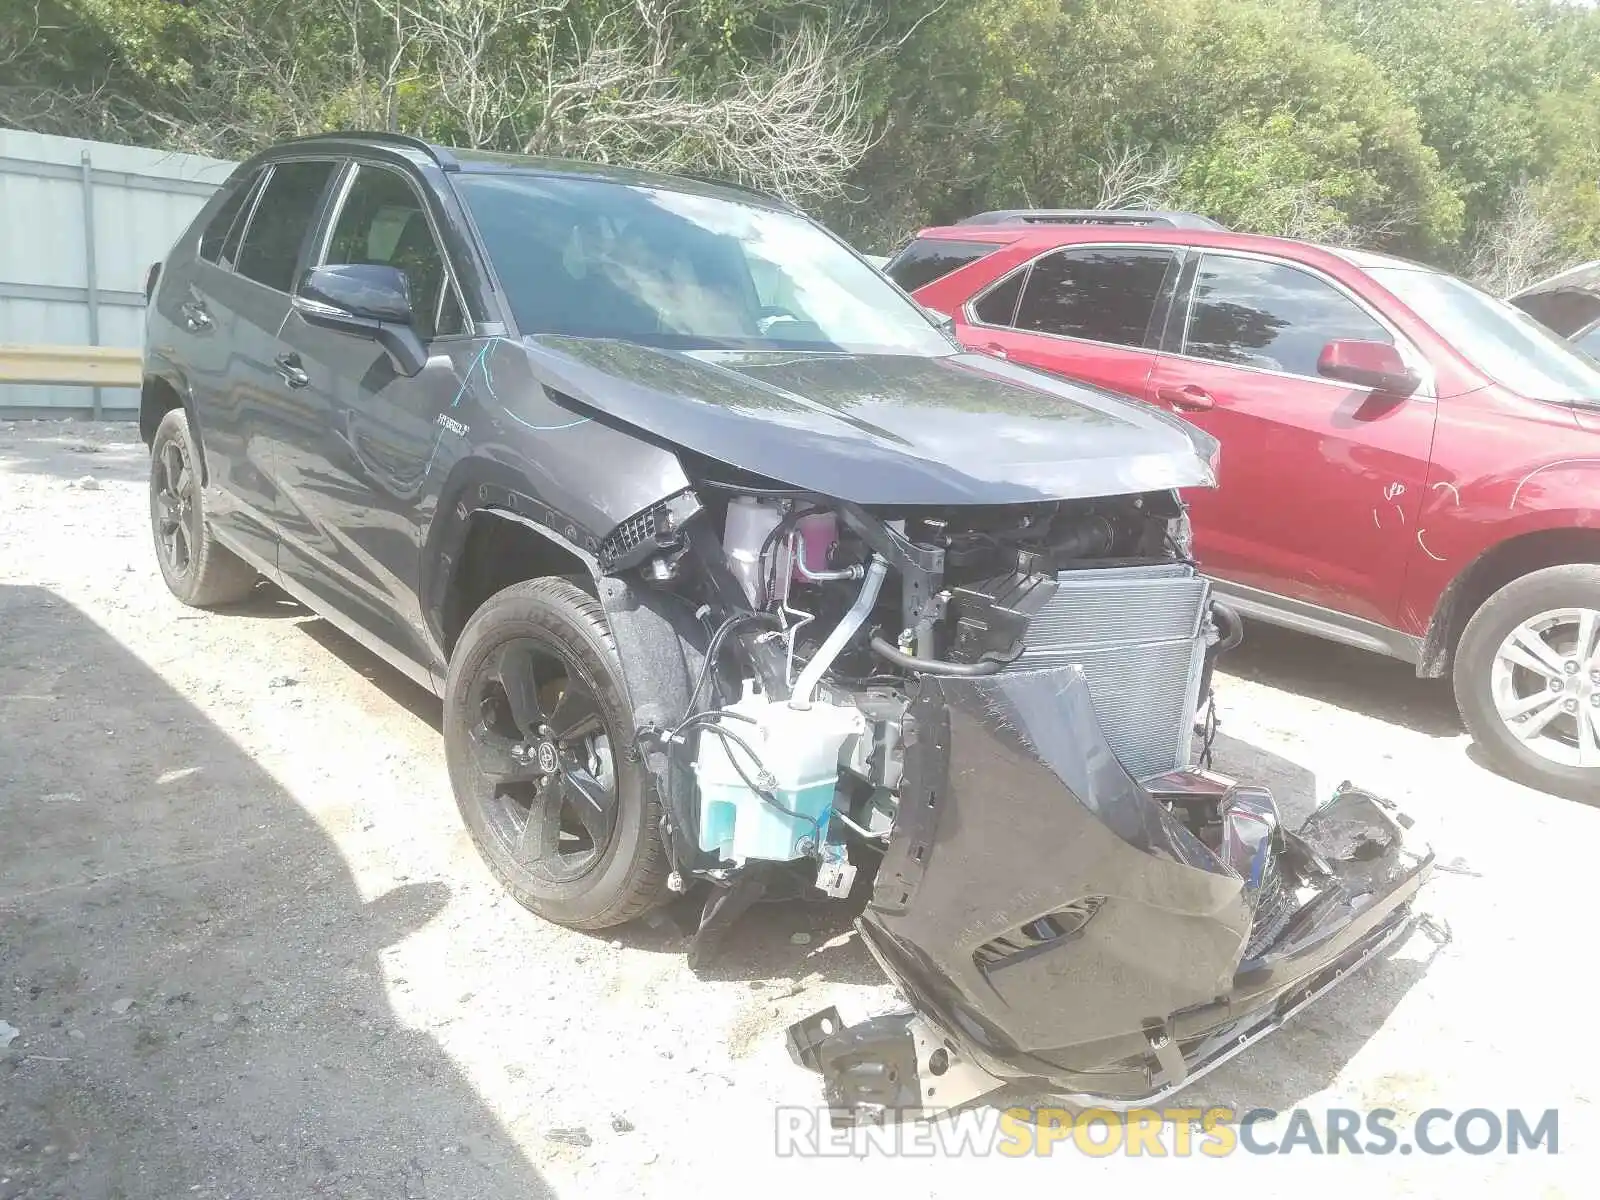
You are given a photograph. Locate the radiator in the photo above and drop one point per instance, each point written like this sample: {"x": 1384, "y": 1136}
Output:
{"x": 1136, "y": 632}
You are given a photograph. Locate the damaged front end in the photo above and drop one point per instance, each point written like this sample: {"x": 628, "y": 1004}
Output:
{"x": 987, "y": 716}
{"x": 1055, "y": 923}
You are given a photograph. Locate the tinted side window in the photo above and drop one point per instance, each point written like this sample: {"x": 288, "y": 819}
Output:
{"x": 1101, "y": 295}
{"x": 282, "y": 218}
{"x": 999, "y": 305}
{"x": 927, "y": 259}
{"x": 215, "y": 234}
{"x": 1565, "y": 311}
{"x": 382, "y": 222}
{"x": 1589, "y": 343}
{"x": 1261, "y": 314}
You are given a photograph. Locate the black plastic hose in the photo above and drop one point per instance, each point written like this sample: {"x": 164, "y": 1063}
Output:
{"x": 1229, "y": 622}
{"x": 933, "y": 666}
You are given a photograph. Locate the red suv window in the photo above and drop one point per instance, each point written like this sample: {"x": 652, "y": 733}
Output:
{"x": 1100, "y": 294}
{"x": 927, "y": 259}
{"x": 1252, "y": 313}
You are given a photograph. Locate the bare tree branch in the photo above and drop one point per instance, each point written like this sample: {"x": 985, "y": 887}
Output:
{"x": 791, "y": 124}
{"x": 1521, "y": 245}
{"x": 619, "y": 82}
{"x": 1137, "y": 177}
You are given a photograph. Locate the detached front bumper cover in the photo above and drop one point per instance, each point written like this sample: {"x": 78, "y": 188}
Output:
{"x": 1053, "y": 925}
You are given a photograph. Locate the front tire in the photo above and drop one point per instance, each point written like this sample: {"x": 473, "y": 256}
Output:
{"x": 1527, "y": 680}
{"x": 198, "y": 570}
{"x": 538, "y": 736}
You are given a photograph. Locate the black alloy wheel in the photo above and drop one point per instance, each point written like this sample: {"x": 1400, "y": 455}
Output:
{"x": 538, "y": 734}
{"x": 198, "y": 569}
{"x": 543, "y": 754}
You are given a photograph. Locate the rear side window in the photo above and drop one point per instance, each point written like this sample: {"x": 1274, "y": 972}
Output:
{"x": 283, "y": 216}
{"x": 1102, "y": 295}
{"x": 214, "y": 238}
{"x": 927, "y": 259}
{"x": 1269, "y": 315}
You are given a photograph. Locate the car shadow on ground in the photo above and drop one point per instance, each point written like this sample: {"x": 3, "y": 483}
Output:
{"x": 1376, "y": 686}
{"x": 195, "y": 977}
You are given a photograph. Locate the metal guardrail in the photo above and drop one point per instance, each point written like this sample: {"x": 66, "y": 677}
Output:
{"x": 91, "y": 366}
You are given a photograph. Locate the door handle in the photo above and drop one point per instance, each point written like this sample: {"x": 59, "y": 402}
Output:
{"x": 1190, "y": 396}
{"x": 996, "y": 349}
{"x": 195, "y": 316}
{"x": 293, "y": 374}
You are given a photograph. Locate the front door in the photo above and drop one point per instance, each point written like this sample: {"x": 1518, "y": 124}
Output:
{"x": 353, "y": 473}
{"x": 1320, "y": 481}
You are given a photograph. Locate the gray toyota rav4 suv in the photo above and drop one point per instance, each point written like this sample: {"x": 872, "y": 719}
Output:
{"x": 737, "y": 577}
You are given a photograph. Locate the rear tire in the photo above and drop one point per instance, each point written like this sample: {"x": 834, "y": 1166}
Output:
{"x": 199, "y": 571}
{"x": 1528, "y": 691}
{"x": 498, "y": 758}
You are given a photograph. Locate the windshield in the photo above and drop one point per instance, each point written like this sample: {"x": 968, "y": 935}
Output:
{"x": 606, "y": 260}
{"x": 1499, "y": 339}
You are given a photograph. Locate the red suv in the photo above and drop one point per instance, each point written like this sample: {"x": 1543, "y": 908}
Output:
{"x": 1408, "y": 464}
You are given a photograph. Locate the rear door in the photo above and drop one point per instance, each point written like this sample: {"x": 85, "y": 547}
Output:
{"x": 1320, "y": 481}
{"x": 255, "y": 296}
{"x": 1087, "y": 312}
{"x": 237, "y": 500}
{"x": 355, "y": 460}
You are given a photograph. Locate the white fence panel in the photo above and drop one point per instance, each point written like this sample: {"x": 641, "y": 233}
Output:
{"x": 80, "y": 224}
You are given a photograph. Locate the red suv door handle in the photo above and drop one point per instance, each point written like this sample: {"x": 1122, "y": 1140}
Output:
{"x": 994, "y": 348}
{"x": 1191, "y": 396}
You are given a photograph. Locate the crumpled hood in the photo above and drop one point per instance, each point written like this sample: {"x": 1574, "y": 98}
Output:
{"x": 884, "y": 429}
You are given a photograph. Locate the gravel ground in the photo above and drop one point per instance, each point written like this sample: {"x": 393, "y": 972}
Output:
{"x": 251, "y": 951}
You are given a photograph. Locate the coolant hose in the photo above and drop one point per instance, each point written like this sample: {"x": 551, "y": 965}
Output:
{"x": 1231, "y": 628}
{"x": 933, "y": 666}
{"x": 806, "y": 686}
{"x": 1229, "y": 623}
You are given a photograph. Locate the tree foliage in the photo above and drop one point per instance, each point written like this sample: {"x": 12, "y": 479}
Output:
{"x": 1466, "y": 132}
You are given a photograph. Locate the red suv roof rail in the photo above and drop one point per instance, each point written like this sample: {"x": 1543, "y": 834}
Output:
{"x": 1093, "y": 216}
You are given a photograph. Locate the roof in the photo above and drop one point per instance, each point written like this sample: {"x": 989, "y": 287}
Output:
{"x": 1093, "y": 216}
{"x": 1043, "y": 237}
{"x": 1585, "y": 277}
{"x": 472, "y": 162}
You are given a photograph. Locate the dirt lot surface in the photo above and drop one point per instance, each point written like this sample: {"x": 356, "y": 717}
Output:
{"x": 250, "y": 951}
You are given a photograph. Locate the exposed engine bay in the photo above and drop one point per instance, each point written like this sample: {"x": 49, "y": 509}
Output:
{"x": 828, "y": 613}
{"x": 993, "y": 724}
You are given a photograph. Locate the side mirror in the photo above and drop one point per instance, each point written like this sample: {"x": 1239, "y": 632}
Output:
{"x": 366, "y": 291}
{"x": 367, "y": 300}
{"x": 1375, "y": 365}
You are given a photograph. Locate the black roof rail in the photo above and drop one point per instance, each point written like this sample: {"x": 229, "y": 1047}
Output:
{"x": 1094, "y": 216}
{"x": 439, "y": 154}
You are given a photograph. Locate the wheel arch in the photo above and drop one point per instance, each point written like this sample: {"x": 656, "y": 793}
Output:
{"x": 660, "y": 641}
{"x": 1506, "y": 560}
{"x": 162, "y": 391}
{"x": 500, "y": 547}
